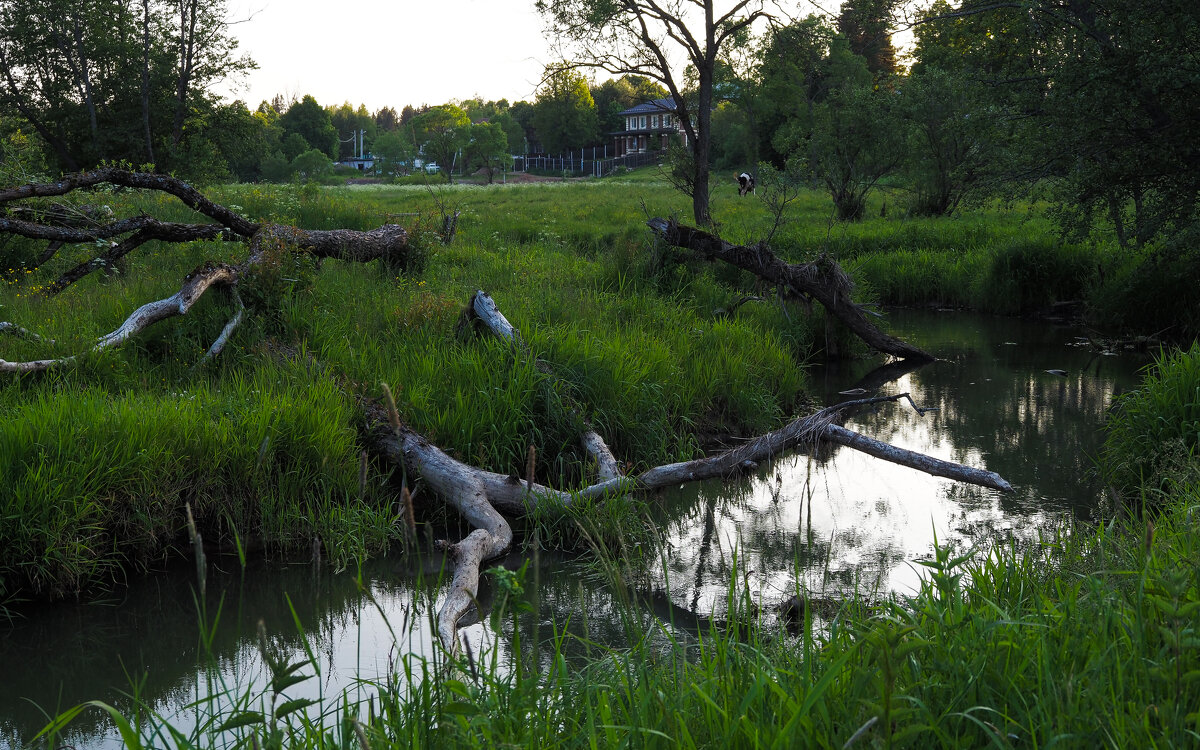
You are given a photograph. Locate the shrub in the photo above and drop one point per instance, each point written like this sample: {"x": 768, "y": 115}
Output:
{"x": 1153, "y": 433}
{"x": 1026, "y": 275}
{"x": 1152, "y": 293}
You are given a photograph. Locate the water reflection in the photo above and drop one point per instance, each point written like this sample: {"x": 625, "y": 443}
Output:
{"x": 829, "y": 523}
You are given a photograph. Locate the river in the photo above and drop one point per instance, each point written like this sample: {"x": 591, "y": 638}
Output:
{"x": 823, "y": 526}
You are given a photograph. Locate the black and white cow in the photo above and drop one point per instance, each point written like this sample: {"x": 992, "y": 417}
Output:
{"x": 745, "y": 183}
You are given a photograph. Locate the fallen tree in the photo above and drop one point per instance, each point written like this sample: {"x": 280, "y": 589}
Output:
{"x": 482, "y": 496}
{"x": 822, "y": 280}
{"x": 121, "y": 236}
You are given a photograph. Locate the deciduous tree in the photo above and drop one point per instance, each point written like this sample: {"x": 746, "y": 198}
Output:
{"x": 645, "y": 37}
{"x": 441, "y": 132}
{"x": 564, "y": 114}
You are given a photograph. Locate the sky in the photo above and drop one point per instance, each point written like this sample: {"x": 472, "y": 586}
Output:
{"x": 388, "y": 53}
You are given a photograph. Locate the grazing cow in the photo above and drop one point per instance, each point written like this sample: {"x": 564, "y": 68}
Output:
{"x": 745, "y": 183}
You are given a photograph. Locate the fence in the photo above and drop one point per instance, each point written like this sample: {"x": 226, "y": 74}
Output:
{"x": 579, "y": 165}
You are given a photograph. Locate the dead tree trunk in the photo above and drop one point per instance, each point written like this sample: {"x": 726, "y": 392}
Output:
{"x": 481, "y": 495}
{"x": 388, "y": 243}
{"x": 822, "y": 280}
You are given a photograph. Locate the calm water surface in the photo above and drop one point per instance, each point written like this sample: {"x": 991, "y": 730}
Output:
{"x": 830, "y": 523}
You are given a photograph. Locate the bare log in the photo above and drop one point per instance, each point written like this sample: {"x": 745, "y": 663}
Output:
{"x": 194, "y": 286}
{"x": 479, "y": 494}
{"x": 823, "y": 280}
{"x": 919, "y": 461}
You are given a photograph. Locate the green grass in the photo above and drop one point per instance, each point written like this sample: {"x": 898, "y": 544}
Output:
{"x": 102, "y": 457}
{"x": 1087, "y": 639}
{"x": 1154, "y": 433}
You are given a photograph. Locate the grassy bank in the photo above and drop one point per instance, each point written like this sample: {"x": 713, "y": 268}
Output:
{"x": 1086, "y": 638}
{"x": 102, "y": 456}
{"x": 99, "y": 459}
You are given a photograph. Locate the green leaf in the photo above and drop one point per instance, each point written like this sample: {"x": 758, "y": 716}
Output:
{"x": 288, "y": 707}
{"x": 279, "y": 684}
{"x": 244, "y": 719}
{"x": 461, "y": 709}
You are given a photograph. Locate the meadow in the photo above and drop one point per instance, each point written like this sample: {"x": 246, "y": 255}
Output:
{"x": 1089, "y": 639}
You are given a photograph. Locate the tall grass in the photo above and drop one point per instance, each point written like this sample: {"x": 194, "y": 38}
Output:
{"x": 1153, "y": 435}
{"x": 1084, "y": 639}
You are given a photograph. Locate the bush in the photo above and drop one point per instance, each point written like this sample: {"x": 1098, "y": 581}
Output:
{"x": 1151, "y": 440}
{"x": 1028, "y": 275}
{"x": 1153, "y": 293}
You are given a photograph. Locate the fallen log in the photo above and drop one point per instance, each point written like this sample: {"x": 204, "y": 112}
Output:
{"x": 822, "y": 280}
{"x": 121, "y": 236}
{"x": 481, "y": 496}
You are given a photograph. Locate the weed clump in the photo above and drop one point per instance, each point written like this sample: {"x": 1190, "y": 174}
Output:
{"x": 1152, "y": 437}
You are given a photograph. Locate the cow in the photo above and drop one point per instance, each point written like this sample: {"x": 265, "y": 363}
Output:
{"x": 745, "y": 183}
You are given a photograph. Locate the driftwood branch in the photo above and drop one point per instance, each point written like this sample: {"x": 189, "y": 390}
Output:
{"x": 822, "y": 279}
{"x": 193, "y": 287}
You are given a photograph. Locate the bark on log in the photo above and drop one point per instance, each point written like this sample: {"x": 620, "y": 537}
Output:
{"x": 478, "y": 494}
{"x": 823, "y": 280}
{"x": 388, "y": 242}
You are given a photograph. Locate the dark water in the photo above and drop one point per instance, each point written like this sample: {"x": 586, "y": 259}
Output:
{"x": 831, "y": 523}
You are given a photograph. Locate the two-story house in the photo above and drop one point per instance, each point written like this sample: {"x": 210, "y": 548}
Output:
{"x": 648, "y": 127}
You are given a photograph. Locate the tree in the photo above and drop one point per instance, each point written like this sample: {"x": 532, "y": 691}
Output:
{"x": 487, "y": 148}
{"x": 867, "y": 26}
{"x": 309, "y": 120}
{"x": 954, "y": 138}
{"x": 1098, "y": 95}
{"x": 394, "y": 151}
{"x": 312, "y": 164}
{"x": 440, "y": 133}
{"x": 118, "y": 79}
{"x": 854, "y": 137}
{"x": 793, "y": 77}
{"x": 642, "y": 37}
{"x": 564, "y": 114}
{"x": 387, "y": 119}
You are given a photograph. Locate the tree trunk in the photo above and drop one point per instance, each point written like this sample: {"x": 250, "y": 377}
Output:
{"x": 146, "y": 79}
{"x": 822, "y": 280}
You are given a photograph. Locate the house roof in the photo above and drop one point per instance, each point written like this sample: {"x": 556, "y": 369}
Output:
{"x": 652, "y": 107}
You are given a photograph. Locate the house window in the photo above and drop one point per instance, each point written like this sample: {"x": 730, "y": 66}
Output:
{"x": 629, "y": 122}
{"x": 642, "y": 122}
{"x": 654, "y": 121}
{"x": 666, "y": 121}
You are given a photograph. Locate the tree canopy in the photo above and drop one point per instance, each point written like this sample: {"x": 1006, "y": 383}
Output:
{"x": 564, "y": 114}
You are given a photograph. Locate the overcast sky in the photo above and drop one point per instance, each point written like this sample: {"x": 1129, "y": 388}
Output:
{"x": 390, "y": 52}
{"x": 385, "y": 53}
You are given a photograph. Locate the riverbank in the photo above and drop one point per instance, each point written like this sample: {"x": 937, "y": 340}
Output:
{"x": 664, "y": 350}
{"x": 263, "y": 445}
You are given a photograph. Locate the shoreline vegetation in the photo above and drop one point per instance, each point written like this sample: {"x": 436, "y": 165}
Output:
{"x": 263, "y": 446}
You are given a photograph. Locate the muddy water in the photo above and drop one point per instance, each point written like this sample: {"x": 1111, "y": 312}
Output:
{"x": 825, "y": 524}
